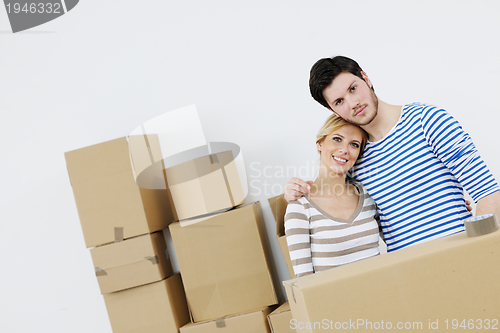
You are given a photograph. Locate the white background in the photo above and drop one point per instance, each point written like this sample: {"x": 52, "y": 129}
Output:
{"x": 104, "y": 68}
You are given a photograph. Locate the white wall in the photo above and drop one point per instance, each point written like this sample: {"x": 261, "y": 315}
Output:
{"x": 107, "y": 66}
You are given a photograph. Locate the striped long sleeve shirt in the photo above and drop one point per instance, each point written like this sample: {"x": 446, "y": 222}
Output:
{"x": 416, "y": 175}
{"x": 318, "y": 241}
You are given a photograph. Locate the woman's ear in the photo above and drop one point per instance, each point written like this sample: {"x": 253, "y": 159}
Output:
{"x": 319, "y": 145}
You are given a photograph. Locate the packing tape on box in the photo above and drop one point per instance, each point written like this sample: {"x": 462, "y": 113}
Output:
{"x": 220, "y": 323}
{"x": 118, "y": 234}
{"x": 154, "y": 259}
{"x": 481, "y": 225}
{"x": 100, "y": 272}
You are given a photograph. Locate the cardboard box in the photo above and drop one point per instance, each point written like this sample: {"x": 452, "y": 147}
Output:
{"x": 158, "y": 307}
{"x": 278, "y": 206}
{"x": 280, "y": 319}
{"x": 254, "y": 322}
{"x": 225, "y": 263}
{"x": 133, "y": 262}
{"x": 204, "y": 185}
{"x": 110, "y": 204}
{"x": 422, "y": 287}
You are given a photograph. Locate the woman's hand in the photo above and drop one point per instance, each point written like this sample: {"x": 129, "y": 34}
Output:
{"x": 296, "y": 188}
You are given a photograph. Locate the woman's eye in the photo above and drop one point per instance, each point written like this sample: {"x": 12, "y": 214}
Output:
{"x": 355, "y": 145}
{"x": 338, "y": 102}
{"x": 336, "y": 138}
{"x": 353, "y": 88}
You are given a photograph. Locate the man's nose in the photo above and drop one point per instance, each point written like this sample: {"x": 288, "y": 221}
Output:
{"x": 353, "y": 102}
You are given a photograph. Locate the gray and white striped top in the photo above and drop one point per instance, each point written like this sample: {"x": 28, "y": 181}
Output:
{"x": 318, "y": 241}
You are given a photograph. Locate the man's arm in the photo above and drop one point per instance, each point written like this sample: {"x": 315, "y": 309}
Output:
{"x": 454, "y": 147}
{"x": 489, "y": 204}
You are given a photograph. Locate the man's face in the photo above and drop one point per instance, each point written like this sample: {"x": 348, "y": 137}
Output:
{"x": 352, "y": 98}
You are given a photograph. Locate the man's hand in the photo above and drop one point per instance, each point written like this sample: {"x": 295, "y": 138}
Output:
{"x": 297, "y": 188}
{"x": 468, "y": 204}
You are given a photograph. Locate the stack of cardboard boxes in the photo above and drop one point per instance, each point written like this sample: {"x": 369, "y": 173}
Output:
{"x": 223, "y": 256}
{"x": 122, "y": 225}
{"x": 229, "y": 282}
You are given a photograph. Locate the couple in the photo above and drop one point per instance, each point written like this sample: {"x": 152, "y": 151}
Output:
{"x": 415, "y": 164}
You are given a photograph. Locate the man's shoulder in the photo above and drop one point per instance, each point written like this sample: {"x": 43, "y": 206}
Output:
{"x": 423, "y": 112}
{"x": 417, "y": 107}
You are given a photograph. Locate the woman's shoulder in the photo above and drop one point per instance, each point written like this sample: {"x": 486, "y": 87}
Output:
{"x": 302, "y": 202}
{"x": 357, "y": 184}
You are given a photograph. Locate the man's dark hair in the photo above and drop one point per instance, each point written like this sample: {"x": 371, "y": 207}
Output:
{"x": 325, "y": 70}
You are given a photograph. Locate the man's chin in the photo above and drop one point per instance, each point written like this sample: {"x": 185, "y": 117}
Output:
{"x": 362, "y": 122}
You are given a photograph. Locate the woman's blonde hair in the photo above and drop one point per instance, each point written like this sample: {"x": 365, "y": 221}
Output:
{"x": 332, "y": 124}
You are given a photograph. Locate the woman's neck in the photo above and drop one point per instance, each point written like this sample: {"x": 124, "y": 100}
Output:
{"x": 328, "y": 183}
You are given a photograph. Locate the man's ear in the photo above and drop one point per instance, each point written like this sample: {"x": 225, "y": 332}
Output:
{"x": 367, "y": 80}
{"x": 335, "y": 113}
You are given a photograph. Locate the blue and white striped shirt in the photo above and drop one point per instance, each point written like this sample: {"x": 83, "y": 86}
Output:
{"x": 416, "y": 173}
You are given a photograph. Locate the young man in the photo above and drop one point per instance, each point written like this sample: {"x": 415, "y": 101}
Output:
{"x": 416, "y": 163}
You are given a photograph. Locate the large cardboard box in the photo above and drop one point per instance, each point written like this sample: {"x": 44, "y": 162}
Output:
{"x": 225, "y": 263}
{"x": 133, "y": 262}
{"x": 204, "y": 185}
{"x": 278, "y": 206}
{"x": 110, "y": 205}
{"x": 254, "y": 322}
{"x": 430, "y": 287}
{"x": 280, "y": 319}
{"x": 158, "y": 307}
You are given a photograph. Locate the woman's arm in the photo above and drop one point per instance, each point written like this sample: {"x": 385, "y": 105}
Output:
{"x": 298, "y": 239}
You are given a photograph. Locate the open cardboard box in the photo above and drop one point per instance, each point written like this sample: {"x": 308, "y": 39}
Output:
{"x": 424, "y": 287}
{"x": 278, "y": 206}
{"x": 280, "y": 319}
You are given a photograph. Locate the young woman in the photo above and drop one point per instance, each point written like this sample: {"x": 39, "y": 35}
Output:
{"x": 337, "y": 222}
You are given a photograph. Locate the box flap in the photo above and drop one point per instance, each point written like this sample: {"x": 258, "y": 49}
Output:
{"x": 128, "y": 252}
{"x": 280, "y": 319}
{"x": 278, "y": 206}
{"x": 242, "y": 323}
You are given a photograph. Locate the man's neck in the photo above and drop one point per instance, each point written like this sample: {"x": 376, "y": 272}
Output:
{"x": 387, "y": 116}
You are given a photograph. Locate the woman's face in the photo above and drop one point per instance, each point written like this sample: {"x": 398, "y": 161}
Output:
{"x": 340, "y": 150}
